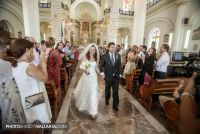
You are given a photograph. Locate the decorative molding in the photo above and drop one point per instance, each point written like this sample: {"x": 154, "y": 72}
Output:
{"x": 166, "y": 20}
{"x": 181, "y": 2}
{"x": 152, "y": 3}
{"x": 14, "y": 13}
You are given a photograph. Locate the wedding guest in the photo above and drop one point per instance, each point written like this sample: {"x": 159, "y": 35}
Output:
{"x": 189, "y": 120}
{"x": 148, "y": 65}
{"x": 54, "y": 62}
{"x": 162, "y": 62}
{"x": 10, "y": 103}
{"x": 122, "y": 53}
{"x": 176, "y": 95}
{"x": 64, "y": 59}
{"x": 130, "y": 65}
{"x": 75, "y": 52}
{"x": 30, "y": 80}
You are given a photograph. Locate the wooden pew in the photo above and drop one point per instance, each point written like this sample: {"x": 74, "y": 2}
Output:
{"x": 53, "y": 95}
{"x": 172, "y": 109}
{"x": 64, "y": 80}
{"x": 166, "y": 86}
{"x": 131, "y": 80}
{"x": 69, "y": 71}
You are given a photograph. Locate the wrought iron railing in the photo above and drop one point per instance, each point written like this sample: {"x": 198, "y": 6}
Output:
{"x": 152, "y": 3}
{"x": 128, "y": 13}
{"x": 44, "y": 5}
{"x": 107, "y": 10}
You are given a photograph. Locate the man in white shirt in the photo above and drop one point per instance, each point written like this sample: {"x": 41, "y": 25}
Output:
{"x": 162, "y": 62}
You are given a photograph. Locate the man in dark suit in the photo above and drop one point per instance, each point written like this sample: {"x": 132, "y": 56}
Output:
{"x": 110, "y": 70}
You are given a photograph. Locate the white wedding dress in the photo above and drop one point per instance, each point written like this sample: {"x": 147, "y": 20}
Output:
{"x": 86, "y": 93}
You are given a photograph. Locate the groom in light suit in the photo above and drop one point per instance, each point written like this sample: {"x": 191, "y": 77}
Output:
{"x": 110, "y": 70}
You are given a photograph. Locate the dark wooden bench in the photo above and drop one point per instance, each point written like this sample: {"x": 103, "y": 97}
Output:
{"x": 64, "y": 80}
{"x": 53, "y": 95}
{"x": 166, "y": 86}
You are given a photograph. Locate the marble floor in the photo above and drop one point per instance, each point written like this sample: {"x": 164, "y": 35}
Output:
{"x": 131, "y": 118}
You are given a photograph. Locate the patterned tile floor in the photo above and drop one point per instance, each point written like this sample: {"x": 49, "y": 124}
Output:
{"x": 131, "y": 118}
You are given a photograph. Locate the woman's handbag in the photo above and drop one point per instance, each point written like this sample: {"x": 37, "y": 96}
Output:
{"x": 147, "y": 79}
{"x": 35, "y": 99}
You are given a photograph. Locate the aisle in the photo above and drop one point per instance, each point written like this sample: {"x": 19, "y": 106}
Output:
{"x": 131, "y": 118}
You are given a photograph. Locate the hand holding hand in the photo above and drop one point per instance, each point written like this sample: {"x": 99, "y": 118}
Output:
{"x": 102, "y": 75}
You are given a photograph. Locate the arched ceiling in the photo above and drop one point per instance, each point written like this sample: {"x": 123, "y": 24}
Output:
{"x": 83, "y": 8}
{"x": 79, "y": 6}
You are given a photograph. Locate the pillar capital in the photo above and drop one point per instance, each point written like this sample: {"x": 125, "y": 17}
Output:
{"x": 181, "y": 2}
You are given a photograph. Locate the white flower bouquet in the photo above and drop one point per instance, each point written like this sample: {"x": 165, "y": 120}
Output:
{"x": 84, "y": 66}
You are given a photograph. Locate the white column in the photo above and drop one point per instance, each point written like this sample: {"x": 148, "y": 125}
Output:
{"x": 56, "y": 20}
{"x": 139, "y": 22}
{"x": 31, "y": 18}
{"x": 109, "y": 3}
{"x": 112, "y": 28}
{"x": 179, "y": 27}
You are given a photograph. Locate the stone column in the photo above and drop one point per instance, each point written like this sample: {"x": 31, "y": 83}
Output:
{"x": 139, "y": 22}
{"x": 56, "y": 20}
{"x": 112, "y": 27}
{"x": 31, "y": 18}
{"x": 179, "y": 27}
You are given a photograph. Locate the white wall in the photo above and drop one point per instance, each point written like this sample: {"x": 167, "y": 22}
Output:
{"x": 164, "y": 18}
{"x": 193, "y": 10}
{"x": 12, "y": 13}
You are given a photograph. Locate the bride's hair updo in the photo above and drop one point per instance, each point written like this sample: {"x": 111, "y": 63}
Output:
{"x": 88, "y": 54}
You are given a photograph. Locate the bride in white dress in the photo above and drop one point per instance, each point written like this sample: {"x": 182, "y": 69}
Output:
{"x": 86, "y": 93}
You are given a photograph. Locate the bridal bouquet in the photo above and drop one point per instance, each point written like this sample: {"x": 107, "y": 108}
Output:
{"x": 85, "y": 65}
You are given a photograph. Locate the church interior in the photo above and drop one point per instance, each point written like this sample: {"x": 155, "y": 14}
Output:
{"x": 64, "y": 28}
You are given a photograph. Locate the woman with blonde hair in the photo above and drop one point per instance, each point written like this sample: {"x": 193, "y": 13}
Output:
{"x": 130, "y": 66}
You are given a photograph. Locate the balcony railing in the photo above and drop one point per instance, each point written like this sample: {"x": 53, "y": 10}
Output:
{"x": 152, "y": 3}
{"x": 44, "y": 5}
{"x": 128, "y": 13}
{"x": 107, "y": 10}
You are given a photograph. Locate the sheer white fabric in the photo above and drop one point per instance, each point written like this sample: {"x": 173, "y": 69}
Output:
{"x": 86, "y": 93}
{"x": 28, "y": 86}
